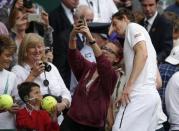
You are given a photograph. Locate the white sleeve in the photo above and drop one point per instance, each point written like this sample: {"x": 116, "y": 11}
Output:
{"x": 64, "y": 92}
{"x": 112, "y": 6}
{"x": 134, "y": 34}
{"x": 17, "y": 70}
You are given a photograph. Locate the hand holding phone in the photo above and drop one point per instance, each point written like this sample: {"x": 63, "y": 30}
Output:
{"x": 81, "y": 21}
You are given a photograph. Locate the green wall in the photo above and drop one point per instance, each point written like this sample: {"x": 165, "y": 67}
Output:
{"x": 48, "y": 5}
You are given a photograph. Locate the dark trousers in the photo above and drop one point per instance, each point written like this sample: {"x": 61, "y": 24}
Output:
{"x": 161, "y": 129}
{"x": 69, "y": 125}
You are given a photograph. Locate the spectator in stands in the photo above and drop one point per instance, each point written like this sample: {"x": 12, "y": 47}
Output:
{"x": 83, "y": 12}
{"x": 160, "y": 30}
{"x": 62, "y": 20}
{"x": 168, "y": 68}
{"x": 171, "y": 16}
{"x": 96, "y": 83}
{"x": 31, "y": 117}
{"x": 3, "y": 29}
{"x": 176, "y": 32}
{"x": 41, "y": 25}
{"x": 8, "y": 81}
{"x": 103, "y": 9}
{"x": 124, "y": 4}
{"x": 172, "y": 100}
{"x": 18, "y": 25}
{"x": 32, "y": 67}
{"x": 174, "y": 7}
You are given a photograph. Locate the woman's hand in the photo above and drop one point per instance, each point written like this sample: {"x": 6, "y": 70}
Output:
{"x": 36, "y": 70}
{"x": 45, "y": 19}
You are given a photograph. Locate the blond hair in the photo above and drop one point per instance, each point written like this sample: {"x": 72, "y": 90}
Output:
{"x": 28, "y": 41}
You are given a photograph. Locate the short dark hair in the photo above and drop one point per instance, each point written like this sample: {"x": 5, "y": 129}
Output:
{"x": 176, "y": 25}
{"x": 155, "y": 0}
{"x": 6, "y": 43}
{"x": 25, "y": 88}
{"x": 124, "y": 12}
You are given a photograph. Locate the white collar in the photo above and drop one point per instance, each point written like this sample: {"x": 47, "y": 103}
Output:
{"x": 151, "y": 20}
{"x": 68, "y": 13}
{"x": 67, "y": 10}
{"x": 26, "y": 66}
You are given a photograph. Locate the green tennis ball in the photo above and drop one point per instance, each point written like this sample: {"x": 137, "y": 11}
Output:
{"x": 48, "y": 102}
{"x": 6, "y": 101}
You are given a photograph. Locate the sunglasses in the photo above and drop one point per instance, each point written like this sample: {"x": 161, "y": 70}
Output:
{"x": 108, "y": 50}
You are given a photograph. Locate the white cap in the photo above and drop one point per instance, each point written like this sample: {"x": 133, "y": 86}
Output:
{"x": 173, "y": 58}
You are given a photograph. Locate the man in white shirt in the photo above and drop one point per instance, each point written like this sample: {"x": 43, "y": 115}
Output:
{"x": 141, "y": 105}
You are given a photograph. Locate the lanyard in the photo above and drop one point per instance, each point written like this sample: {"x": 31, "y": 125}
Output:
{"x": 6, "y": 86}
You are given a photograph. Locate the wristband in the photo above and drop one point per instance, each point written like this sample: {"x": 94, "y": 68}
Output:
{"x": 92, "y": 42}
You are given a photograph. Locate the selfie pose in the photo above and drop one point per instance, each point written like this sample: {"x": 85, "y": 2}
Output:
{"x": 36, "y": 17}
{"x": 96, "y": 82}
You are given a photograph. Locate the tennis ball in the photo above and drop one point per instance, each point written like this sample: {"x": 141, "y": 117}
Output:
{"x": 48, "y": 102}
{"x": 6, "y": 101}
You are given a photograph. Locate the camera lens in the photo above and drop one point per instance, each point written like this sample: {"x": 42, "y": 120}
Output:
{"x": 47, "y": 67}
{"x": 46, "y": 82}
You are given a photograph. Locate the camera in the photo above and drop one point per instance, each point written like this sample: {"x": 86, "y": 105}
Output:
{"x": 27, "y": 4}
{"x": 47, "y": 66}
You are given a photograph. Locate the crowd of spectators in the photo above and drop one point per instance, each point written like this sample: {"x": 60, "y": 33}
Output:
{"x": 112, "y": 65}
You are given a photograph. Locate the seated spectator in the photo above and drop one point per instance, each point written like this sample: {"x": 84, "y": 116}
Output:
{"x": 31, "y": 117}
{"x": 172, "y": 101}
{"x": 8, "y": 83}
{"x": 32, "y": 67}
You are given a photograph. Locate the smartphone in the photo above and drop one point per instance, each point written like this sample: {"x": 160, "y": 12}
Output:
{"x": 27, "y": 4}
{"x": 81, "y": 21}
{"x": 34, "y": 17}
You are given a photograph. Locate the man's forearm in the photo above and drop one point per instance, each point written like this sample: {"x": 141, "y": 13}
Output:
{"x": 139, "y": 63}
